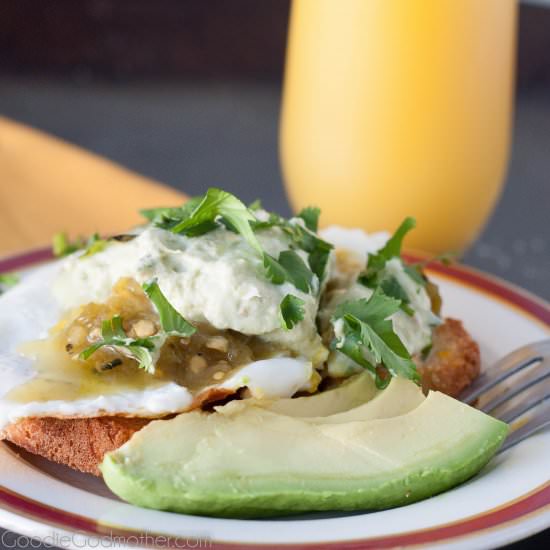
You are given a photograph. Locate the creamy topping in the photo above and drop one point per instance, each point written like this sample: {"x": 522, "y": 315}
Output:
{"x": 216, "y": 278}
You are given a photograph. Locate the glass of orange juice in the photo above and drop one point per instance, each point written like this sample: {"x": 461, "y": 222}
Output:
{"x": 399, "y": 107}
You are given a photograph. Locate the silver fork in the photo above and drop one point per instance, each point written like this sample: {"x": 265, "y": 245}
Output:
{"x": 524, "y": 401}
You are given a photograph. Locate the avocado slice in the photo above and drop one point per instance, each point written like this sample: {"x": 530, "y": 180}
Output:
{"x": 352, "y": 392}
{"x": 400, "y": 397}
{"x": 251, "y": 462}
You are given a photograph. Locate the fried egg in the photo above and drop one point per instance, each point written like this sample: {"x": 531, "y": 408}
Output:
{"x": 29, "y": 310}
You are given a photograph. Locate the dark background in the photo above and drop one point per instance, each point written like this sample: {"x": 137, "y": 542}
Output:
{"x": 188, "y": 92}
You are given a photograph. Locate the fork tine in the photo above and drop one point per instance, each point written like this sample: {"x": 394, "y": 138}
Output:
{"x": 539, "y": 420}
{"x": 536, "y": 378}
{"x": 518, "y": 406}
{"x": 506, "y": 367}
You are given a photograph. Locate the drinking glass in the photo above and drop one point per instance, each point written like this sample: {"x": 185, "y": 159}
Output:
{"x": 399, "y": 107}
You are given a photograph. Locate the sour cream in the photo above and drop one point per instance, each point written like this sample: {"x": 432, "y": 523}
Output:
{"x": 216, "y": 278}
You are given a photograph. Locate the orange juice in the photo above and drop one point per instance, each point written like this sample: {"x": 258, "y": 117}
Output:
{"x": 399, "y": 107}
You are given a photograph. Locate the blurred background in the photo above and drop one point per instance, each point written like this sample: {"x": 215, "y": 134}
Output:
{"x": 188, "y": 92}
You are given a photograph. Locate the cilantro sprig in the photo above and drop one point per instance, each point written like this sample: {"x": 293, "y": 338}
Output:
{"x": 367, "y": 337}
{"x": 372, "y": 275}
{"x": 375, "y": 275}
{"x": 168, "y": 217}
{"x": 292, "y": 311}
{"x": 220, "y": 204}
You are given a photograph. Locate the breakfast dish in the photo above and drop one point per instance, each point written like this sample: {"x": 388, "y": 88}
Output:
{"x": 508, "y": 500}
{"x": 222, "y": 360}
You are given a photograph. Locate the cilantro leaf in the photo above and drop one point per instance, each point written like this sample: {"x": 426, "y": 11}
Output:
{"x": 62, "y": 246}
{"x": 310, "y": 215}
{"x": 112, "y": 334}
{"x": 366, "y": 327}
{"x": 255, "y": 205}
{"x": 289, "y": 267}
{"x": 112, "y": 329}
{"x": 392, "y": 249}
{"x": 166, "y": 217}
{"x": 161, "y": 215}
{"x": 273, "y": 270}
{"x": 94, "y": 245}
{"x": 292, "y": 311}
{"x": 318, "y": 249}
{"x": 274, "y": 220}
{"x": 318, "y": 259}
{"x": 392, "y": 287}
{"x": 218, "y": 203}
{"x": 170, "y": 319}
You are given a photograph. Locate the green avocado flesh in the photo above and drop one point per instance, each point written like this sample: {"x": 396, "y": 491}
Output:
{"x": 351, "y": 393}
{"x": 246, "y": 461}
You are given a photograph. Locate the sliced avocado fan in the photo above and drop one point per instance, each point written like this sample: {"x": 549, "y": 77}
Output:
{"x": 246, "y": 461}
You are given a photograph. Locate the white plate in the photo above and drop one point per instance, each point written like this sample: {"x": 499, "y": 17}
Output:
{"x": 508, "y": 500}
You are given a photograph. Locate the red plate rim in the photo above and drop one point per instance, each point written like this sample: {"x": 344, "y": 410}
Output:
{"x": 531, "y": 504}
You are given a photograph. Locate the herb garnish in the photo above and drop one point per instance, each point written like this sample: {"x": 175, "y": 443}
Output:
{"x": 94, "y": 245}
{"x": 255, "y": 205}
{"x": 219, "y": 204}
{"x": 168, "y": 217}
{"x": 217, "y": 207}
{"x": 8, "y": 280}
{"x": 373, "y": 274}
{"x": 112, "y": 334}
{"x": 171, "y": 321}
{"x": 289, "y": 267}
{"x": 392, "y": 287}
{"x": 292, "y": 311}
{"x": 310, "y": 215}
{"x": 62, "y": 246}
{"x": 367, "y": 337}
